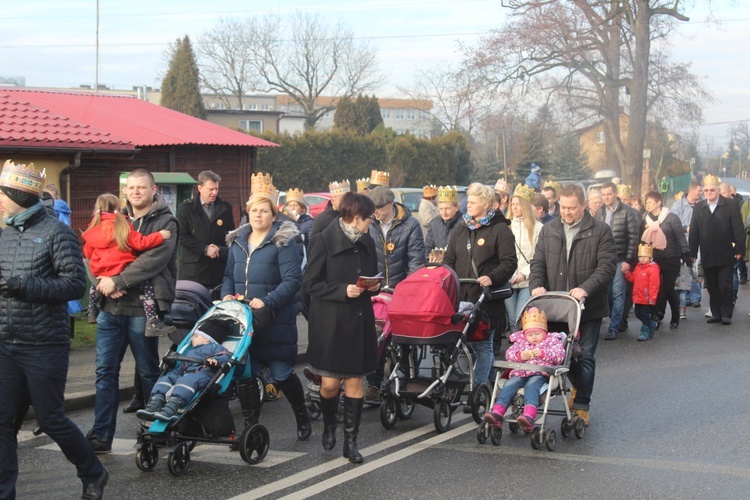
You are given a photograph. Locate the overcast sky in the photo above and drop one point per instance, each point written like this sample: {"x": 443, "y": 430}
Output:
{"x": 51, "y": 43}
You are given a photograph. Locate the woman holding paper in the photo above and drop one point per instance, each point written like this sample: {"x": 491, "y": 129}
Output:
{"x": 342, "y": 339}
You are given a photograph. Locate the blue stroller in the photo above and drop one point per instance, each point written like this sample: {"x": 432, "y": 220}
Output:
{"x": 203, "y": 419}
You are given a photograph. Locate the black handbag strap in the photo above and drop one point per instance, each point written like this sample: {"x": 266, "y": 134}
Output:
{"x": 471, "y": 256}
{"x": 521, "y": 252}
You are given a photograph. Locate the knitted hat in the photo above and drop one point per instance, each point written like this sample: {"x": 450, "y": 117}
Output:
{"x": 535, "y": 167}
{"x": 213, "y": 330}
{"x": 21, "y": 183}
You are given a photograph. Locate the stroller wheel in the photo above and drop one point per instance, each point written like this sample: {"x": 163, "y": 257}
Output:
{"x": 442, "y": 414}
{"x": 254, "y": 444}
{"x": 147, "y": 456}
{"x": 483, "y": 432}
{"x": 566, "y": 427}
{"x": 496, "y": 434}
{"x": 514, "y": 427}
{"x": 388, "y": 412}
{"x": 536, "y": 438}
{"x": 550, "y": 439}
{"x": 579, "y": 427}
{"x": 480, "y": 401}
{"x": 315, "y": 409}
{"x": 179, "y": 460}
{"x": 405, "y": 408}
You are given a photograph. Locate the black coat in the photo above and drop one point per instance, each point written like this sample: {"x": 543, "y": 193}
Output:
{"x": 323, "y": 219}
{"x": 720, "y": 235}
{"x": 196, "y": 233}
{"x": 625, "y": 230}
{"x": 677, "y": 246}
{"x": 591, "y": 264}
{"x": 494, "y": 250}
{"x": 439, "y": 233}
{"x": 341, "y": 330}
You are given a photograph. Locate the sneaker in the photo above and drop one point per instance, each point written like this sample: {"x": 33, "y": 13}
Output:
{"x": 611, "y": 335}
{"x": 100, "y": 447}
{"x": 708, "y": 314}
{"x": 683, "y": 312}
{"x": 526, "y": 422}
{"x": 583, "y": 415}
{"x": 645, "y": 334}
{"x": 623, "y": 326}
{"x": 156, "y": 328}
{"x": 493, "y": 419}
{"x": 272, "y": 393}
{"x": 372, "y": 394}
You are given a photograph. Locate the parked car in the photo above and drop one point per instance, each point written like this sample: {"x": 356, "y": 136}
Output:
{"x": 411, "y": 197}
{"x": 316, "y": 202}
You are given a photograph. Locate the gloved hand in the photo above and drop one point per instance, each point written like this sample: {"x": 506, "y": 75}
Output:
{"x": 687, "y": 260}
{"x": 10, "y": 288}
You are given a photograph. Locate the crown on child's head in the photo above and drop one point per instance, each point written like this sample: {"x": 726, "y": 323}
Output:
{"x": 429, "y": 191}
{"x": 296, "y": 195}
{"x": 339, "y": 188}
{"x": 645, "y": 250}
{"x": 261, "y": 186}
{"x": 711, "y": 180}
{"x": 362, "y": 184}
{"x": 534, "y": 318}
{"x": 380, "y": 178}
{"x": 447, "y": 194}
{"x": 624, "y": 191}
{"x": 437, "y": 254}
{"x": 524, "y": 191}
{"x": 23, "y": 177}
{"x": 556, "y": 185}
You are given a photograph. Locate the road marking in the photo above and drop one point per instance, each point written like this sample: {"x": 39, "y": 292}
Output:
{"x": 26, "y": 436}
{"x": 330, "y": 465}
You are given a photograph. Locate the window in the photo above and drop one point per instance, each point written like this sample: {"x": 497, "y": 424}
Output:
{"x": 252, "y": 126}
{"x": 422, "y": 114}
{"x": 266, "y": 107}
{"x": 400, "y": 131}
{"x": 251, "y": 107}
{"x": 385, "y": 113}
{"x": 600, "y": 137}
{"x": 399, "y": 114}
{"x": 218, "y": 105}
{"x": 422, "y": 133}
{"x": 410, "y": 115}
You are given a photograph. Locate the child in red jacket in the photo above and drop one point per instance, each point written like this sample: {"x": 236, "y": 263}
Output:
{"x": 646, "y": 281}
{"x": 110, "y": 243}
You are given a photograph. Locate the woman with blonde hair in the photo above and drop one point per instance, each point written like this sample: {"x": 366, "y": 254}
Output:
{"x": 110, "y": 244}
{"x": 525, "y": 227}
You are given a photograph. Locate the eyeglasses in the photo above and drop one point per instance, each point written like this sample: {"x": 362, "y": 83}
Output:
{"x": 379, "y": 207}
{"x": 707, "y": 190}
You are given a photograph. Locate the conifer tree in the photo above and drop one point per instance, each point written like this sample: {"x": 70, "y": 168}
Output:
{"x": 180, "y": 87}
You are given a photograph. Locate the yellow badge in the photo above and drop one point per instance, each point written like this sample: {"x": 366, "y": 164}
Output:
{"x": 390, "y": 246}
{"x": 480, "y": 241}
{"x": 219, "y": 222}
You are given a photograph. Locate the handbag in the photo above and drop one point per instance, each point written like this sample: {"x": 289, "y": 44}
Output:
{"x": 501, "y": 292}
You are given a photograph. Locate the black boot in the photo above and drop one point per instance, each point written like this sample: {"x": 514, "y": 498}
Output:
{"x": 352, "y": 416}
{"x": 248, "y": 393}
{"x": 328, "y": 407}
{"x": 292, "y": 389}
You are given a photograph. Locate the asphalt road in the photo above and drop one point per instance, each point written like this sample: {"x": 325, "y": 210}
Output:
{"x": 668, "y": 420}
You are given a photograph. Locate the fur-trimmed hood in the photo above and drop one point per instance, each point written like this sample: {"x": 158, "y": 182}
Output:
{"x": 281, "y": 233}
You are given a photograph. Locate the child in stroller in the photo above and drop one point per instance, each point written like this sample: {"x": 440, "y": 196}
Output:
{"x": 176, "y": 388}
{"x": 533, "y": 345}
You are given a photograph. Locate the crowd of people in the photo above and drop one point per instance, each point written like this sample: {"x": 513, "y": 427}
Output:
{"x": 601, "y": 246}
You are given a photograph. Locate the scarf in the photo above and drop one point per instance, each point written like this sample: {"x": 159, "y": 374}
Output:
{"x": 653, "y": 233}
{"x": 474, "y": 224}
{"x": 350, "y": 231}
{"x": 19, "y": 220}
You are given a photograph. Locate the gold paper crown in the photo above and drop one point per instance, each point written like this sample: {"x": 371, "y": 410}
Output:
{"x": 447, "y": 194}
{"x": 437, "y": 254}
{"x": 524, "y": 192}
{"x": 429, "y": 191}
{"x": 362, "y": 185}
{"x": 624, "y": 191}
{"x": 679, "y": 195}
{"x": 645, "y": 250}
{"x": 261, "y": 185}
{"x": 339, "y": 188}
{"x": 380, "y": 178}
{"x": 534, "y": 318}
{"x": 711, "y": 180}
{"x": 296, "y": 195}
{"x": 23, "y": 177}
{"x": 501, "y": 185}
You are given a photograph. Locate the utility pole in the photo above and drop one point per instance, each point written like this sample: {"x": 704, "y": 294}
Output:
{"x": 96, "y": 65}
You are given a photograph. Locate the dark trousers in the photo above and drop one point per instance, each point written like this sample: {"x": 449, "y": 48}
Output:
{"x": 628, "y": 303}
{"x": 645, "y": 313}
{"x": 583, "y": 368}
{"x": 719, "y": 284}
{"x": 668, "y": 293}
{"x": 44, "y": 371}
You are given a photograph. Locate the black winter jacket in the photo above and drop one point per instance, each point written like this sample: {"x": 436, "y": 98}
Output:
{"x": 402, "y": 250}
{"x": 625, "y": 230}
{"x": 47, "y": 258}
{"x": 591, "y": 265}
{"x": 196, "y": 233}
{"x": 439, "y": 233}
{"x": 720, "y": 235}
{"x": 324, "y": 218}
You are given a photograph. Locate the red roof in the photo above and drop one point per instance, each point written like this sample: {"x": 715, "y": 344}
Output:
{"x": 38, "y": 118}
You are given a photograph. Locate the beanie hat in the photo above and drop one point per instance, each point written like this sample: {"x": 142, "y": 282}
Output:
{"x": 21, "y": 183}
{"x": 535, "y": 167}
{"x": 213, "y": 330}
{"x": 20, "y": 198}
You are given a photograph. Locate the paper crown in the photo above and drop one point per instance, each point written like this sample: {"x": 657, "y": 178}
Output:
{"x": 556, "y": 185}
{"x": 437, "y": 254}
{"x": 709, "y": 180}
{"x": 624, "y": 191}
{"x": 447, "y": 194}
{"x": 429, "y": 191}
{"x": 23, "y": 177}
{"x": 534, "y": 318}
{"x": 524, "y": 192}
{"x": 261, "y": 186}
{"x": 679, "y": 195}
{"x": 501, "y": 185}
{"x": 362, "y": 185}
{"x": 339, "y": 188}
{"x": 296, "y": 195}
{"x": 645, "y": 250}
{"x": 380, "y": 178}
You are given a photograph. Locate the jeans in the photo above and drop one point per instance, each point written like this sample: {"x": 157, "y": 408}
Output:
{"x": 514, "y": 305}
{"x": 583, "y": 368}
{"x": 531, "y": 388}
{"x": 736, "y": 279}
{"x": 695, "y": 293}
{"x": 280, "y": 370}
{"x": 44, "y": 370}
{"x": 113, "y": 335}
{"x": 484, "y": 359}
{"x": 683, "y": 298}
{"x": 617, "y": 298}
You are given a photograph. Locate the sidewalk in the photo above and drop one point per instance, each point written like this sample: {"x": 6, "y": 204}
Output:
{"x": 80, "y": 391}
